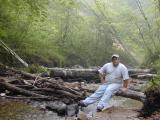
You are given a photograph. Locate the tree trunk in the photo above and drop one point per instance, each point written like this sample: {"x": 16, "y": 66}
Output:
{"x": 133, "y": 95}
{"x": 13, "y": 53}
{"x": 73, "y": 73}
{"x": 88, "y": 73}
{"x": 143, "y": 76}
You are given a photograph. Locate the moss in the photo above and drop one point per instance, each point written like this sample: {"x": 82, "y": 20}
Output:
{"x": 35, "y": 68}
{"x": 14, "y": 110}
{"x": 154, "y": 84}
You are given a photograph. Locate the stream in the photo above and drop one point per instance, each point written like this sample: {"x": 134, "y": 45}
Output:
{"x": 121, "y": 109}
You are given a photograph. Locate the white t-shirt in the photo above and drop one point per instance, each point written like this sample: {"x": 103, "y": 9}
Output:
{"x": 114, "y": 74}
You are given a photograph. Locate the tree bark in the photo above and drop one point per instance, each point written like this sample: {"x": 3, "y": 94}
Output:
{"x": 73, "y": 73}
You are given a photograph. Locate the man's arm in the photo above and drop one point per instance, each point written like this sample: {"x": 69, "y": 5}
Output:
{"x": 102, "y": 73}
{"x": 102, "y": 78}
{"x": 125, "y": 79}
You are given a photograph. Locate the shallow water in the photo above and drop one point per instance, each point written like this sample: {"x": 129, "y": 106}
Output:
{"x": 120, "y": 109}
{"x": 117, "y": 101}
{"x": 20, "y": 110}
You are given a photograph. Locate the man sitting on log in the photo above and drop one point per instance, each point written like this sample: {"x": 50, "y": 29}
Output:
{"x": 114, "y": 77}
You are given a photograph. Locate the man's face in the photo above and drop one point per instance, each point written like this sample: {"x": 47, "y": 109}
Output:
{"x": 115, "y": 61}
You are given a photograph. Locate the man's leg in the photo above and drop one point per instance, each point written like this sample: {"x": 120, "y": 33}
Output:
{"x": 95, "y": 96}
{"x": 110, "y": 90}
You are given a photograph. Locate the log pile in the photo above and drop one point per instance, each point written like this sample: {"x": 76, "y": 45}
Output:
{"x": 20, "y": 84}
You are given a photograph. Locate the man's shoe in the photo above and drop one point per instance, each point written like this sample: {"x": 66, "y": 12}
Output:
{"x": 81, "y": 103}
{"x": 99, "y": 109}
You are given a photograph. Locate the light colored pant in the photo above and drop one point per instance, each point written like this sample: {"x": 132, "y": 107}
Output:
{"x": 103, "y": 93}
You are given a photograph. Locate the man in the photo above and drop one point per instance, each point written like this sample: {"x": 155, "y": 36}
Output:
{"x": 114, "y": 77}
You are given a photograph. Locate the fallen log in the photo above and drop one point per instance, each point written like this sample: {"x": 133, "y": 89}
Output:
{"x": 65, "y": 88}
{"x": 133, "y": 95}
{"x": 73, "y": 73}
{"x": 25, "y": 86}
{"x": 134, "y": 71}
{"x": 140, "y": 96}
{"x": 61, "y": 92}
{"x": 30, "y": 98}
{"x": 25, "y": 74}
{"x": 87, "y": 73}
{"x": 144, "y": 76}
{"x": 137, "y": 81}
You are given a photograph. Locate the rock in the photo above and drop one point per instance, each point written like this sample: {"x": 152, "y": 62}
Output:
{"x": 82, "y": 116}
{"x": 57, "y": 106}
{"x": 3, "y": 94}
{"x": 44, "y": 74}
{"x": 72, "y": 110}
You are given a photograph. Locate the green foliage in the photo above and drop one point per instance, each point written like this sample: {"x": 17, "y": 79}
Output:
{"x": 35, "y": 68}
{"x": 63, "y": 33}
{"x": 153, "y": 60}
{"x": 153, "y": 84}
{"x": 156, "y": 66}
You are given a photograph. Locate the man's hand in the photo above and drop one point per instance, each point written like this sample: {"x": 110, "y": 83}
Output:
{"x": 125, "y": 86}
{"x": 103, "y": 81}
{"x": 124, "y": 89}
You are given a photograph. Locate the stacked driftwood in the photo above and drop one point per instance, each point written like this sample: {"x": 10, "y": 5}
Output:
{"x": 21, "y": 85}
